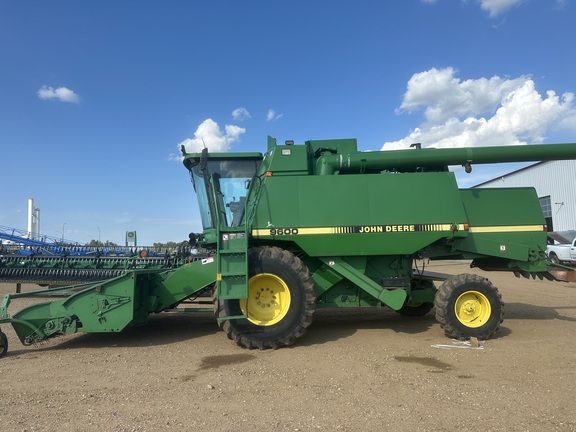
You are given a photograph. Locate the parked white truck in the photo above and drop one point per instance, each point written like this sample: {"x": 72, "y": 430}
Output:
{"x": 562, "y": 253}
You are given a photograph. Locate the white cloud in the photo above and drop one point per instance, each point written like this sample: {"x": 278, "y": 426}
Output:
{"x": 496, "y": 7}
{"x": 481, "y": 112}
{"x": 240, "y": 114}
{"x": 63, "y": 94}
{"x": 445, "y": 96}
{"x": 272, "y": 115}
{"x": 209, "y": 135}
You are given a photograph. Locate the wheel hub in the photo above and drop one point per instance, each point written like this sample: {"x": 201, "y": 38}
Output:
{"x": 472, "y": 309}
{"x": 268, "y": 300}
{"x": 265, "y": 298}
{"x": 469, "y": 308}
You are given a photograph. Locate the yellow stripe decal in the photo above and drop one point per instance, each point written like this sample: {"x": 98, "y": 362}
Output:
{"x": 381, "y": 229}
{"x": 507, "y": 228}
{"x": 360, "y": 229}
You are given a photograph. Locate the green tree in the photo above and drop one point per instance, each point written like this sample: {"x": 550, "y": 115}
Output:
{"x": 168, "y": 245}
{"x": 97, "y": 243}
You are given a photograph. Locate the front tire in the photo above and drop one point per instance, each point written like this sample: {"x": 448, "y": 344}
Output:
{"x": 468, "y": 306}
{"x": 280, "y": 305}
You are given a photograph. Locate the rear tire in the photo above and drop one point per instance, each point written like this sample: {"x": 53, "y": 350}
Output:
{"x": 416, "y": 309}
{"x": 280, "y": 305}
{"x": 468, "y": 306}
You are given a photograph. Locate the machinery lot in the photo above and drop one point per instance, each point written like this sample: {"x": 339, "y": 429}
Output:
{"x": 355, "y": 370}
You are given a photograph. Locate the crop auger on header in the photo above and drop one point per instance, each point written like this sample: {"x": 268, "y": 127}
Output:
{"x": 322, "y": 225}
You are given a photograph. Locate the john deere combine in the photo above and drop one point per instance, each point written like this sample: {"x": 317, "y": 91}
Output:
{"x": 322, "y": 225}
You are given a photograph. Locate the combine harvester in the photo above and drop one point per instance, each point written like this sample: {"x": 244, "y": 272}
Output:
{"x": 322, "y": 225}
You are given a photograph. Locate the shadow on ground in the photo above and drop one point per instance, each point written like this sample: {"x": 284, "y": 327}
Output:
{"x": 334, "y": 324}
{"x": 162, "y": 329}
{"x": 329, "y": 325}
{"x": 531, "y": 312}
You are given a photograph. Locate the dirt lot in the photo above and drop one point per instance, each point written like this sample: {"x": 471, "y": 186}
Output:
{"x": 355, "y": 370}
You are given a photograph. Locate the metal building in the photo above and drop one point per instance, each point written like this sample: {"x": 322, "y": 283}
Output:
{"x": 555, "y": 184}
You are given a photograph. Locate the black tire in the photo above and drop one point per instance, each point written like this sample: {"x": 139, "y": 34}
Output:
{"x": 554, "y": 258}
{"x": 278, "y": 268}
{"x": 3, "y": 344}
{"x": 415, "y": 309}
{"x": 418, "y": 309}
{"x": 468, "y": 306}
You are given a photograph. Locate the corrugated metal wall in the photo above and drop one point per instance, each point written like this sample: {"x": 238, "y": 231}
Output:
{"x": 556, "y": 179}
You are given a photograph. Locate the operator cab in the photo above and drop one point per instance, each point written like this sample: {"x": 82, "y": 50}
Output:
{"x": 221, "y": 182}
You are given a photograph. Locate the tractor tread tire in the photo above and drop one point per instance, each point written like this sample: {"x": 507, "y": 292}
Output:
{"x": 252, "y": 336}
{"x": 446, "y": 298}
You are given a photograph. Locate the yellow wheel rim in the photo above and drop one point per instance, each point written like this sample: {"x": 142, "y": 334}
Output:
{"x": 268, "y": 300}
{"x": 473, "y": 309}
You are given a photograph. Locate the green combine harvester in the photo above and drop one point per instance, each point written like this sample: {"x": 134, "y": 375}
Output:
{"x": 322, "y": 225}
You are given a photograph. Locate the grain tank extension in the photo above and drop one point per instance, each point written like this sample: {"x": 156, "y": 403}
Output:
{"x": 322, "y": 225}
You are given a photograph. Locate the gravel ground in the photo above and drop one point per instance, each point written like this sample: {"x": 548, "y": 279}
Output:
{"x": 355, "y": 370}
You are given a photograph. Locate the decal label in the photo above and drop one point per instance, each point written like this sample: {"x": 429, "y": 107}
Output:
{"x": 386, "y": 228}
{"x": 400, "y": 228}
{"x": 361, "y": 229}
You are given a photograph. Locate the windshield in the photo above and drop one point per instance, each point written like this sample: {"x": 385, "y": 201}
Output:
{"x": 229, "y": 179}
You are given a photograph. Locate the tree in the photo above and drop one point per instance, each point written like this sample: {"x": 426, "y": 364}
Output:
{"x": 98, "y": 243}
{"x": 168, "y": 245}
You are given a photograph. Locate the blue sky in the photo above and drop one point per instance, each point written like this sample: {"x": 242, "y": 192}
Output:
{"x": 97, "y": 96}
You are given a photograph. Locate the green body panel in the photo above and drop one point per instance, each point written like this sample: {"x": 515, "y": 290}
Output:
{"x": 394, "y": 298}
{"x": 384, "y": 214}
{"x": 109, "y": 307}
{"x": 293, "y": 160}
{"x": 502, "y": 207}
{"x": 505, "y": 223}
{"x": 175, "y": 286}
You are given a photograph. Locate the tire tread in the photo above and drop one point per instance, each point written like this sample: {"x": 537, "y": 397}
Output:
{"x": 235, "y": 333}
